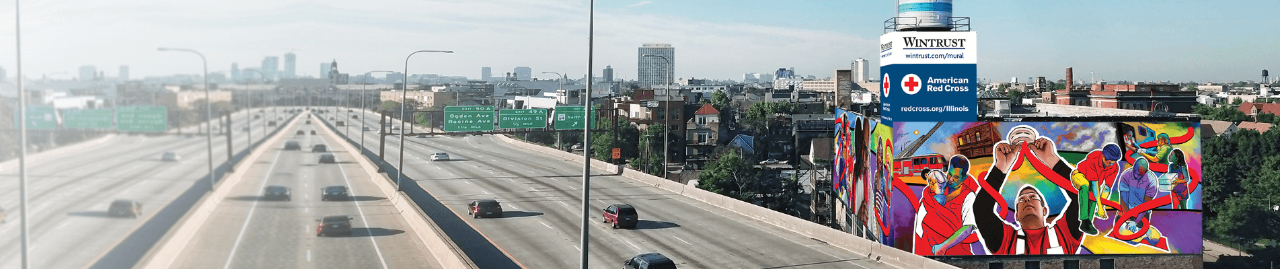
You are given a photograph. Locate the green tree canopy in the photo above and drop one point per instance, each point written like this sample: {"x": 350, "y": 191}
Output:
{"x": 730, "y": 174}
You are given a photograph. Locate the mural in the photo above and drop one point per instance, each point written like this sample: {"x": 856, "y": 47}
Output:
{"x": 1011, "y": 188}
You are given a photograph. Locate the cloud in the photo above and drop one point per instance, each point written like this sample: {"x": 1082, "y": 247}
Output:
{"x": 641, "y": 3}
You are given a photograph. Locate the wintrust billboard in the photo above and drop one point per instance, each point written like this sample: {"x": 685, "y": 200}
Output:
{"x": 929, "y": 76}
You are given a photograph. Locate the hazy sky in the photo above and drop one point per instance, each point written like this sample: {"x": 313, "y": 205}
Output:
{"x": 1131, "y": 40}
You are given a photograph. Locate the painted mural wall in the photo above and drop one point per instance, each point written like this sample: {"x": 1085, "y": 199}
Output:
{"x": 1011, "y": 188}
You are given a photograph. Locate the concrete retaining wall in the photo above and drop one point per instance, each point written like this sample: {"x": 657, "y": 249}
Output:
{"x": 859, "y": 246}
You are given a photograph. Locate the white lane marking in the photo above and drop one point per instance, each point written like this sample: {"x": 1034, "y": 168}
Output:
{"x": 363, "y": 219}
{"x": 512, "y": 206}
{"x": 682, "y": 240}
{"x": 485, "y": 192}
{"x": 545, "y": 224}
{"x": 469, "y": 182}
{"x": 633, "y": 245}
{"x": 575, "y": 246}
{"x": 250, "y": 215}
{"x": 598, "y": 200}
{"x": 308, "y": 255}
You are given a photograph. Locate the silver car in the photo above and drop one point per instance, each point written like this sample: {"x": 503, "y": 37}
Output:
{"x": 170, "y": 156}
{"x": 439, "y": 156}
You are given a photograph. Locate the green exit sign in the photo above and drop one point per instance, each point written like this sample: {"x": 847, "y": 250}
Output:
{"x": 87, "y": 118}
{"x": 571, "y": 118}
{"x": 522, "y": 118}
{"x": 468, "y": 118}
{"x": 142, "y": 118}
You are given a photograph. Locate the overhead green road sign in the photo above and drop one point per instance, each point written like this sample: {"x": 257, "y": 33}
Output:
{"x": 570, "y": 118}
{"x": 142, "y": 118}
{"x": 468, "y": 118}
{"x": 38, "y": 118}
{"x": 87, "y": 118}
{"x": 522, "y": 118}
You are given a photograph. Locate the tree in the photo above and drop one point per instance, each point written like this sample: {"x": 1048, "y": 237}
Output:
{"x": 1237, "y": 101}
{"x": 730, "y": 174}
{"x": 1016, "y": 96}
{"x": 760, "y": 114}
{"x": 602, "y": 142}
{"x": 650, "y": 151}
{"x": 1265, "y": 117}
{"x": 720, "y": 100}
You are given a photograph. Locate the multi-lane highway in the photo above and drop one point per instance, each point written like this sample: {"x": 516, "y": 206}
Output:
{"x": 70, "y": 188}
{"x": 542, "y": 198}
{"x": 247, "y": 231}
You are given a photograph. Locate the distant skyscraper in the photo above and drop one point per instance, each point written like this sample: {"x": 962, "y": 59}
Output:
{"x": 270, "y": 66}
{"x": 652, "y": 71}
{"x": 235, "y": 72}
{"x": 860, "y": 72}
{"x": 608, "y": 73}
{"x": 324, "y": 70}
{"x": 524, "y": 73}
{"x": 124, "y": 73}
{"x": 486, "y": 73}
{"x": 88, "y": 73}
{"x": 290, "y": 65}
{"x": 3, "y": 76}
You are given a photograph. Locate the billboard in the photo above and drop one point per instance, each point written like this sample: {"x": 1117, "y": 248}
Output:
{"x": 929, "y": 76}
{"x": 1013, "y": 188}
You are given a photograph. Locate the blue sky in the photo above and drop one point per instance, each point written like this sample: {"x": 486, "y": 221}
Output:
{"x": 1131, "y": 40}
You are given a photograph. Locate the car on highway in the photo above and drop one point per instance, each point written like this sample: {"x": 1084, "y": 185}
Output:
{"x": 327, "y": 158}
{"x": 308, "y": 121}
{"x": 333, "y": 225}
{"x": 439, "y": 156}
{"x": 170, "y": 156}
{"x": 355, "y": 117}
{"x": 257, "y": 117}
{"x": 246, "y": 128}
{"x": 301, "y": 132}
{"x": 319, "y": 148}
{"x": 621, "y": 216}
{"x": 395, "y": 128}
{"x": 340, "y": 123}
{"x": 422, "y": 135}
{"x": 649, "y": 261}
{"x": 277, "y": 193}
{"x": 330, "y": 118}
{"x": 334, "y": 193}
{"x": 484, "y": 208}
{"x": 271, "y": 123}
{"x": 313, "y": 131}
{"x": 125, "y": 208}
{"x": 292, "y": 145}
{"x": 366, "y": 129}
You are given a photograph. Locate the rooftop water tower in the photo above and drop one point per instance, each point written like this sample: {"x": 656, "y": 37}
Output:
{"x": 926, "y": 16}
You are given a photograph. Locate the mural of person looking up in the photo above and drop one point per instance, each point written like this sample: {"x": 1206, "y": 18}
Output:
{"x": 1035, "y": 236}
{"x": 1098, "y": 168}
{"x": 990, "y": 221}
{"x": 944, "y": 221}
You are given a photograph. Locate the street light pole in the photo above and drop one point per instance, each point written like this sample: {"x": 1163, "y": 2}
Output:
{"x": 249, "y": 113}
{"x": 666, "y": 119}
{"x": 560, "y": 90}
{"x": 22, "y": 135}
{"x": 404, "y": 102}
{"x": 364, "y": 124}
{"x": 208, "y": 110}
{"x": 586, "y": 138}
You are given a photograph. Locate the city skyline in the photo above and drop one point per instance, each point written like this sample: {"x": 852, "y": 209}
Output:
{"x": 717, "y": 39}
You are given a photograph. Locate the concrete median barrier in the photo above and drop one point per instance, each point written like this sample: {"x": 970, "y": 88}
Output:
{"x": 164, "y": 253}
{"x": 437, "y": 241}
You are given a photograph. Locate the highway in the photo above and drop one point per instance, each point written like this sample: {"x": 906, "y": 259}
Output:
{"x": 542, "y": 198}
{"x": 245, "y": 231}
{"x": 70, "y": 187}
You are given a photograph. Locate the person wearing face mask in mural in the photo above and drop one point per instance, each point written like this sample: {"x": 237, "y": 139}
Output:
{"x": 944, "y": 221}
{"x": 993, "y": 221}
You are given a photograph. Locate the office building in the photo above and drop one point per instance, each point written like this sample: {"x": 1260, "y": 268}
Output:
{"x": 88, "y": 73}
{"x": 270, "y": 66}
{"x": 608, "y": 73}
{"x": 324, "y": 70}
{"x": 524, "y": 73}
{"x": 654, "y": 70}
{"x": 124, "y": 73}
{"x": 235, "y": 72}
{"x": 3, "y": 76}
{"x": 860, "y": 71}
{"x": 290, "y": 66}
{"x": 486, "y": 73}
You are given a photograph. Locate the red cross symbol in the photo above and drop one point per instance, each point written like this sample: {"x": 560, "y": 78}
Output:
{"x": 911, "y": 83}
{"x": 886, "y": 84}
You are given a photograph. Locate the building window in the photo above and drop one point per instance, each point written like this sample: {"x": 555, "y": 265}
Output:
{"x": 1107, "y": 264}
{"x": 995, "y": 265}
{"x": 1071, "y": 264}
{"x": 1031, "y": 265}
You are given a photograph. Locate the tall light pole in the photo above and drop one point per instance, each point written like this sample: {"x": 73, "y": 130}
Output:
{"x": 404, "y": 102}
{"x": 22, "y": 133}
{"x": 586, "y": 138}
{"x": 558, "y": 91}
{"x": 208, "y": 110}
{"x": 363, "y": 123}
{"x": 666, "y": 119}
{"x": 249, "y": 115}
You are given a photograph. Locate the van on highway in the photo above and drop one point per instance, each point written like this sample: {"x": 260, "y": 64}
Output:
{"x": 649, "y": 261}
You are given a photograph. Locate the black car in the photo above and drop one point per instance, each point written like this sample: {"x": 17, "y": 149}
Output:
{"x": 319, "y": 148}
{"x": 355, "y": 117}
{"x": 313, "y": 131}
{"x": 292, "y": 145}
{"x": 308, "y": 121}
{"x": 301, "y": 132}
{"x": 649, "y": 261}
{"x": 333, "y": 225}
{"x": 271, "y": 123}
{"x": 484, "y": 208}
{"x": 125, "y": 208}
{"x": 340, "y": 123}
{"x": 277, "y": 193}
{"x": 334, "y": 193}
{"x": 327, "y": 158}
{"x": 621, "y": 215}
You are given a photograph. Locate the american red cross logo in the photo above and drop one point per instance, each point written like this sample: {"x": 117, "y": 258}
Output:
{"x": 885, "y": 87}
{"x": 911, "y": 83}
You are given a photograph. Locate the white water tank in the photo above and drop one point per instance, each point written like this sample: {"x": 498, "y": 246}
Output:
{"x": 927, "y": 15}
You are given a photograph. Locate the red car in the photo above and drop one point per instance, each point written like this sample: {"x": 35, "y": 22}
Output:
{"x": 621, "y": 215}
